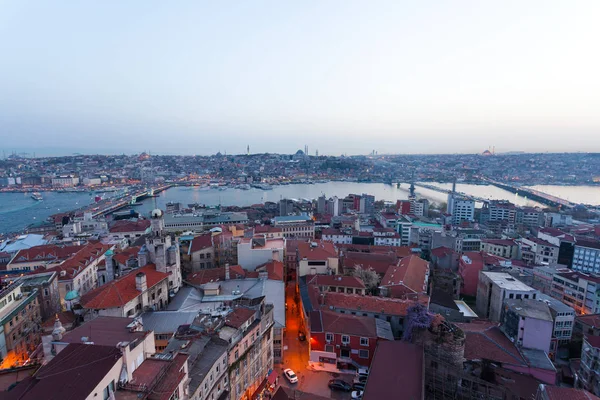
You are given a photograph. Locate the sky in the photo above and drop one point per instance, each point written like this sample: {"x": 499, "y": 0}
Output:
{"x": 341, "y": 76}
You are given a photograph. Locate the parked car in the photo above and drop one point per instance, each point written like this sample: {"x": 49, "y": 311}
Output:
{"x": 363, "y": 371}
{"x": 357, "y": 395}
{"x": 360, "y": 379}
{"x": 290, "y": 375}
{"x": 301, "y": 336}
{"x": 338, "y": 384}
{"x": 359, "y": 386}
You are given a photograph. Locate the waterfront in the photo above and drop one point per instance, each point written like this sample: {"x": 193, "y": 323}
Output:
{"x": 18, "y": 210}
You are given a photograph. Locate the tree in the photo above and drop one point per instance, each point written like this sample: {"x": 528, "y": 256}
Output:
{"x": 368, "y": 276}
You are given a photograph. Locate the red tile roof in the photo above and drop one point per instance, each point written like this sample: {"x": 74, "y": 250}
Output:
{"x": 347, "y": 324}
{"x": 125, "y": 255}
{"x": 388, "y": 377}
{"x": 125, "y": 226}
{"x": 200, "y": 243}
{"x": 337, "y": 280}
{"x": 590, "y": 320}
{"x": 80, "y": 260}
{"x": 411, "y": 272}
{"x": 119, "y": 292}
{"x": 267, "y": 229}
{"x": 274, "y": 270}
{"x": 322, "y": 251}
{"x": 215, "y": 274}
{"x": 593, "y": 340}
{"x": 239, "y": 316}
{"x": 485, "y": 340}
{"x": 399, "y": 251}
{"x": 47, "y": 252}
{"x": 171, "y": 379}
{"x": 73, "y": 374}
{"x": 375, "y": 261}
{"x": 163, "y": 375}
{"x": 499, "y": 242}
{"x": 563, "y": 393}
{"x": 442, "y": 252}
{"x": 375, "y": 304}
{"x": 105, "y": 331}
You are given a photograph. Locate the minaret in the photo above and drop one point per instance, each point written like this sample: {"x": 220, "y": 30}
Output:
{"x": 110, "y": 267}
{"x": 58, "y": 331}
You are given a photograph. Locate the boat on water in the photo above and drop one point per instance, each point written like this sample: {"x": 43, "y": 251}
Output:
{"x": 37, "y": 196}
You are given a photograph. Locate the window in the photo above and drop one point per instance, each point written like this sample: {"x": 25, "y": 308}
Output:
{"x": 364, "y": 341}
{"x": 363, "y": 353}
{"x": 329, "y": 337}
{"x": 329, "y": 348}
{"x": 345, "y": 339}
{"x": 511, "y": 296}
{"x": 108, "y": 390}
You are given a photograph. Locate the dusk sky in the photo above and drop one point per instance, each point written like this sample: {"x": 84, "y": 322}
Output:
{"x": 197, "y": 77}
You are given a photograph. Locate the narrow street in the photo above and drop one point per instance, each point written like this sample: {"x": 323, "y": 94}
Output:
{"x": 295, "y": 356}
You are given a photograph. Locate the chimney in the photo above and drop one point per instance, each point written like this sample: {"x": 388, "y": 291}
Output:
{"x": 275, "y": 255}
{"x": 140, "y": 282}
{"x": 227, "y": 276}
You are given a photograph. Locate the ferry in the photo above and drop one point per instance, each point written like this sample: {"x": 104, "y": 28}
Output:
{"x": 37, "y": 196}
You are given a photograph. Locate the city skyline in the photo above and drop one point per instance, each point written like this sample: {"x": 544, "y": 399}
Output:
{"x": 344, "y": 78}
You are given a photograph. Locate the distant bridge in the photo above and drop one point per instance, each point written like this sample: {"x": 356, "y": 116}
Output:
{"x": 446, "y": 191}
{"x": 535, "y": 195}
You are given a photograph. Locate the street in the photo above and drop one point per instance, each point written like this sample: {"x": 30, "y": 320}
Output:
{"x": 296, "y": 357}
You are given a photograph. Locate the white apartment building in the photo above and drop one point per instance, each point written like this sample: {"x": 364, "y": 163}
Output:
{"x": 462, "y": 210}
{"x": 65, "y": 181}
{"x": 258, "y": 250}
{"x": 494, "y": 288}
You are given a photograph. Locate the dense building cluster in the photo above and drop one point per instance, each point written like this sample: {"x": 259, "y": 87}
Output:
{"x": 397, "y": 299}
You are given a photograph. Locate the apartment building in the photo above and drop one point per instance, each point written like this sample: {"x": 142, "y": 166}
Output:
{"x": 588, "y": 377}
{"x": 496, "y": 287}
{"x": 578, "y": 290}
{"x": 536, "y": 251}
{"x": 250, "y": 338}
{"x": 317, "y": 257}
{"x": 563, "y": 317}
{"x": 586, "y": 256}
{"x": 295, "y": 226}
{"x": 462, "y": 210}
{"x": 20, "y": 319}
{"x": 500, "y": 247}
{"x": 255, "y": 251}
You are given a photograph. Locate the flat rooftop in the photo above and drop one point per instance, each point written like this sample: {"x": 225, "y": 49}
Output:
{"x": 507, "y": 281}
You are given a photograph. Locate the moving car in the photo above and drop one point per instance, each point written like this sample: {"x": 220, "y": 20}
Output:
{"x": 290, "y": 375}
{"x": 357, "y": 395}
{"x": 338, "y": 384}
